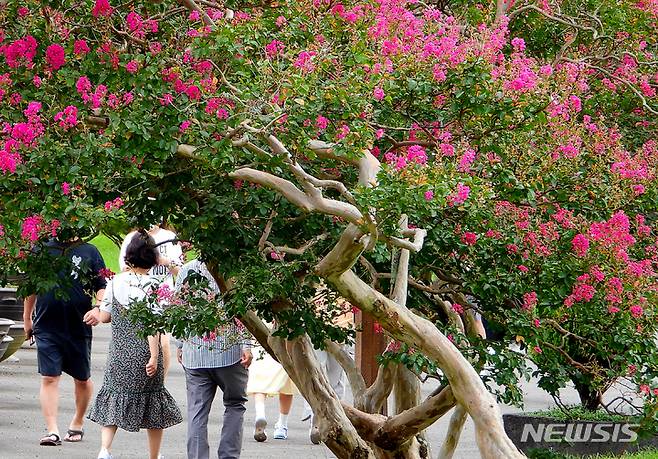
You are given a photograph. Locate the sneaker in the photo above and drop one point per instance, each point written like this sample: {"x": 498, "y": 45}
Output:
{"x": 280, "y": 432}
{"x": 259, "y": 431}
{"x": 104, "y": 454}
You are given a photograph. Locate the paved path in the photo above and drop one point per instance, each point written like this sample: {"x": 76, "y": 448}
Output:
{"x": 21, "y": 424}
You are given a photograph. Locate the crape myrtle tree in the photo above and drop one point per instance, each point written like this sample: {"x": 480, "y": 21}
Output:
{"x": 426, "y": 161}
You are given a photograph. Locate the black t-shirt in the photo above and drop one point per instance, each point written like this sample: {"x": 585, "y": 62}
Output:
{"x": 60, "y": 311}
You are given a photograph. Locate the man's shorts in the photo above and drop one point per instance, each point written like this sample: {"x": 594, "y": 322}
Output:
{"x": 57, "y": 354}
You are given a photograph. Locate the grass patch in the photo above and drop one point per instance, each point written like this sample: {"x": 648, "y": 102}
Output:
{"x": 578, "y": 413}
{"x": 544, "y": 454}
{"x": 108, "y": 250}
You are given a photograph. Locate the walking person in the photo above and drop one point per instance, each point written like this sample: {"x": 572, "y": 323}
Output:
{"x": 268, "y": 378}
{"x": 61, "y": 327}
{"x": 219, "y": 361}
{"x": 170, "y": 258}
{"x": 133, "y": 395}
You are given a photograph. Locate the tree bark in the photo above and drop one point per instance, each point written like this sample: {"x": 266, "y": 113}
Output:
{"x": 590, "y": 398}
{"x": 336, "y": 431}
{"x": 423, "y": 335}
{"x": 455, "y": 427}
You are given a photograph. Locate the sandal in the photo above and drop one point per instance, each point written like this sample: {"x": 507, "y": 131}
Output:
{"x": 52, "y": 439}
{"x": 72, "y": 433}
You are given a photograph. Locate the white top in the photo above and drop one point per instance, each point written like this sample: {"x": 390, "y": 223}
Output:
{"x": 169, "y": 250}
{"x": 126, "y": 288}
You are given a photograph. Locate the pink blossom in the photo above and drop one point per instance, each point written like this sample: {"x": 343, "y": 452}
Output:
{"x": 458, "y": 308}
{"x": 379, "y": 133}
{"x": 274, "y": 48}
{"x": 55, "y": 56}
{"x": 447, "y": 149}
{"x": 184, "y": 125}
{"x": 36, "y": 81}
{"x": 33, "y": 108}
{"x": 275, "y": 256}
{"x": 523, "y": 268}
{"x": 518, "y": 44}
{"x": 106, "y": 273}
{"x": 613, "y": 309}
{"x": 580, "y": 245}
{"x": 21, "y": 52}
{"x": 638, "y": 189}
{"x": 343, "y": 131}
{"x": 155, "y": 48}
{"x": 469, "y": 238}
{"x": 31, "y": 228}
{"x": 166, "y": 99}
{"x": 537, "y": 350}
{"x": 68, "y": 117}
{"x": 429, "y": 195}
{"x": 378, "y": 94}
{"x": 102, "y": 8}
{"x": 460, "y": 196}
{"x": 281, "y": 21}
{"x": 529, "y": 301}
{"x": 637, "y": 311}
{"x": 536, "y": 323}
{"x": 23, "y": 11}
{"x": 417, "y": 154}
{"x": 193, "y": 92}
{"x": 304, "y": 61}
{"x": 466, "y": 161}
{"x": 80, "y": 48}
{"x": 83, "y": 85}
{"x": 132, "y": 67}
{"x": 321, "y": 122}
{"x": 66, "y": 188}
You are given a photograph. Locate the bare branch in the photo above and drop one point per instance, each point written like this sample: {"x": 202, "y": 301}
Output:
{"x": 266, "y": 231}
{"x": 192, "y": 6}
{"x": 300, "y": 250}
{"x": 377, "y": 394}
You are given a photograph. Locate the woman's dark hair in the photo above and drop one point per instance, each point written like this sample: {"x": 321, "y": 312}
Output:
{"x": 141, "y": 251}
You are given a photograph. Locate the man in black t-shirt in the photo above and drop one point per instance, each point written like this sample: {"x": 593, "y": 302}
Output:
{"x": 61, "y": 327}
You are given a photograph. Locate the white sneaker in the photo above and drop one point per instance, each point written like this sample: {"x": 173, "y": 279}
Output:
{"x": 104, "y": 454}
{"x": 280, "y": 432}
{"x": 259, "y": 431}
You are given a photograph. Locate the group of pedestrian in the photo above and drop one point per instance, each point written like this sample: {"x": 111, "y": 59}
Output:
{"x": 133, "y": 395}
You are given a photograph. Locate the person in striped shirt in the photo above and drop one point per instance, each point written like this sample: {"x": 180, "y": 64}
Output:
{"x": 218, "y": 360}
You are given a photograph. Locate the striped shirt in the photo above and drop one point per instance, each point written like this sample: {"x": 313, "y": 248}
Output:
{"x": 222, "y": 351}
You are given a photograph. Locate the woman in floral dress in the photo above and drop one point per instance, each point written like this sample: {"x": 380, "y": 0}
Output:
{"x": 133, "y": 395}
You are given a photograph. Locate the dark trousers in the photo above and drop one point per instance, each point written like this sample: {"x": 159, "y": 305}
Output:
{"x": 202, "y": 385}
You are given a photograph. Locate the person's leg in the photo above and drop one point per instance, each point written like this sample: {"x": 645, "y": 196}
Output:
{"x": 107, "y": 436}
{"x": 285, "y": 403}
{"x": 83, "y": 392}
{"x": 233, "y": 382}
{"x": 155, "y": 440}
{"x": 49, "y": 397}
{"x": 261, "y": 421}
{"x": 200, "y": 394}
{"x": 281, "y": 427}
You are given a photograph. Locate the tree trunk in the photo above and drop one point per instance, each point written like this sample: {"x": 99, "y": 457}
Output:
{"x": 457, "y": 421}
{"x": 590, "y": 398}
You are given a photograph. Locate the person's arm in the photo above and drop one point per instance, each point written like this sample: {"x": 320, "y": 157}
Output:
{"x": 154, "y": 345}
{"x": 28, "y": 308}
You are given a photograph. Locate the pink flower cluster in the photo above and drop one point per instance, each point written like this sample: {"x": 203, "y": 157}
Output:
{"x": 20, "y": 52}
{"x": 115, "y": 204}
{"x": 68, "y": 117}
{"x": 32, "y": 227}
{"x": 101, "y": 8}
{"x": 274, "y": 48}
{"x": 304, "y": 61}
{"x": 55, "y": 56}
{"x": 460, "y": 196}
